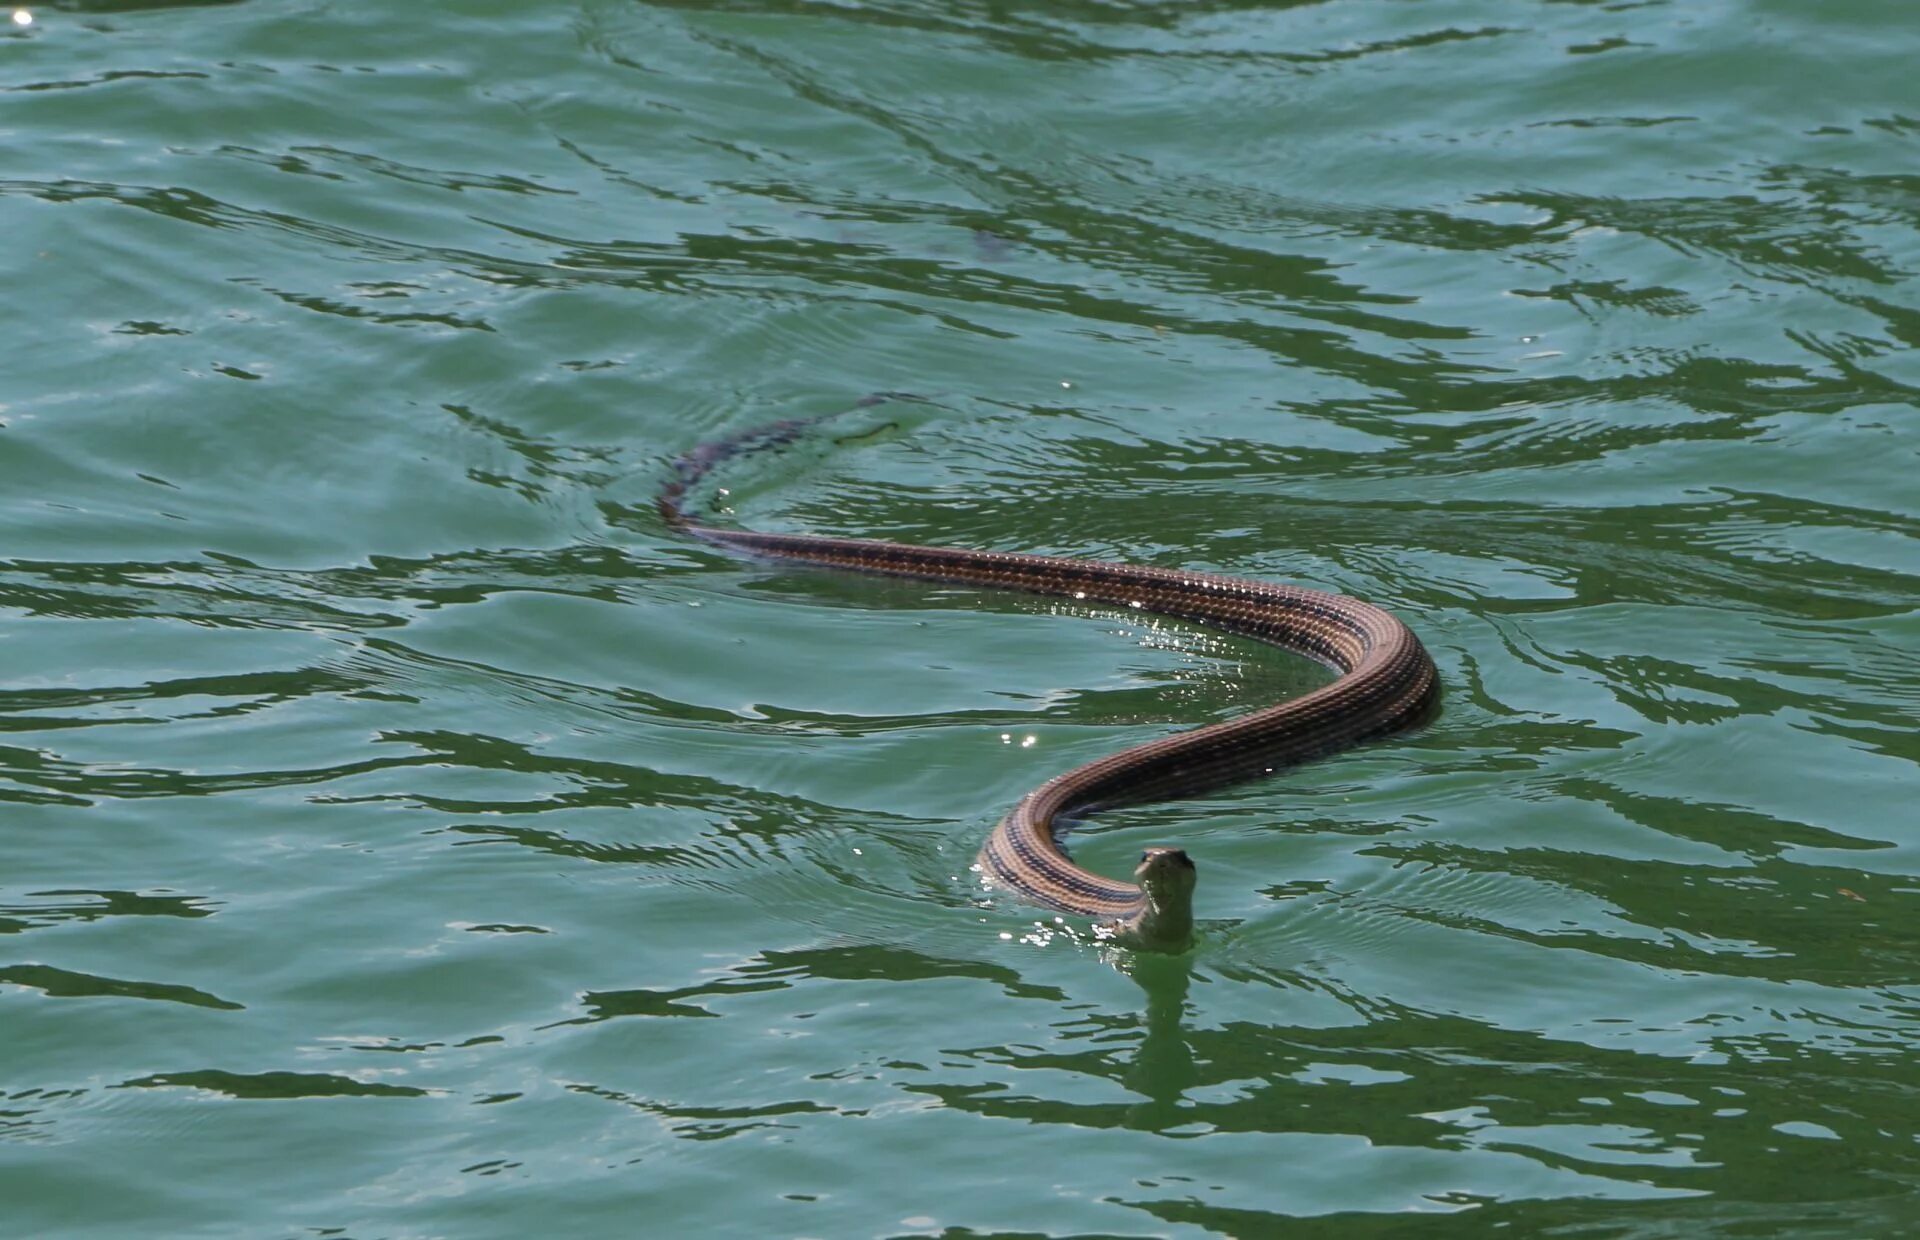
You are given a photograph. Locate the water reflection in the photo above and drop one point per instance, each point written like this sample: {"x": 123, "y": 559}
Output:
{"x": 1162, "y": 1069}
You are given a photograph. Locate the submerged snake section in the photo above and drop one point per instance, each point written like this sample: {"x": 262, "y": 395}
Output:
{"x": 1386, "y": 683}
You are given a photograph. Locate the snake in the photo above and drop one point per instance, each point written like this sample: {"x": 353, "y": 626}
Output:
{"x": 1384, "y": 683}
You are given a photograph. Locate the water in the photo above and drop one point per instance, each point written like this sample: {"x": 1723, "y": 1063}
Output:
{"x": 405, "y": 836}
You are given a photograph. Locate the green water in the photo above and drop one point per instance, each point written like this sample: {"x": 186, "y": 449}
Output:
{"x": 403, "y": 835}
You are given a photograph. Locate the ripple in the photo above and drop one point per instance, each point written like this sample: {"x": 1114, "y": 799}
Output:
{"x": 66, "y": 984}
{"x": 255, "y": 1086}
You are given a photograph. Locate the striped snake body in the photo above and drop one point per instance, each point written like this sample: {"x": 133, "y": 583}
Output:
{"x": 1386, "y": 683}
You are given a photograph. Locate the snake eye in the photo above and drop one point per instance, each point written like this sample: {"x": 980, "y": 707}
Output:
{"x": 1143, "y": 857}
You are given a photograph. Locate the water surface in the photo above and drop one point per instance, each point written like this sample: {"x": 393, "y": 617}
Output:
{"x": 390, "y": 806}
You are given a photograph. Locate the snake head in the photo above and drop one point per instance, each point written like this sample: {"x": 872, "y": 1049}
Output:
{"x": 1167, "y": 874}
{"x": 1164, "y": 861}
{"x": 1166, "y": 924}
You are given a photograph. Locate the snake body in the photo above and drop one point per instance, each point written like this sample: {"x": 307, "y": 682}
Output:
{"x": 1386, "y": 682}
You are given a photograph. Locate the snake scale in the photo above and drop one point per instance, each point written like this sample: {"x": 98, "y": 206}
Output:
{"x": 1386, "y": 682}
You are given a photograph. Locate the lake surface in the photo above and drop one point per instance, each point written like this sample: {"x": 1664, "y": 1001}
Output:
{"x": 403, "y": 834}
